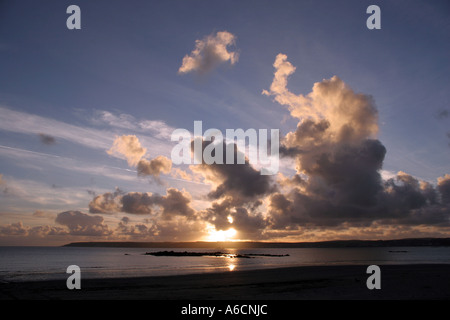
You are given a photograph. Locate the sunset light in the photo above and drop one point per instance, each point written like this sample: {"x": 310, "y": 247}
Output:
{"x": 214, "y": 150}
{"x": 221, "y": 235}
{"x": 210, "y": 124}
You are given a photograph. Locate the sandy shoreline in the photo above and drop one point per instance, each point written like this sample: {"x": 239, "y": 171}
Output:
{"x": 398, "y": 282}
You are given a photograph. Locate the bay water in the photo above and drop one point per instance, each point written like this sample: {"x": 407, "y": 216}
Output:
{"x": 50, "y": 263}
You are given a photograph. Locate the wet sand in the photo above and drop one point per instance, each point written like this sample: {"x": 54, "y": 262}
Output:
{"x": 398, "y": 282}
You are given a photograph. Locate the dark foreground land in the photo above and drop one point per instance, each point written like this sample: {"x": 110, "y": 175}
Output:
{"x": 398, "y": 282}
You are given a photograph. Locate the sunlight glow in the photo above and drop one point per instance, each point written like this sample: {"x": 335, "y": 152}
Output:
{"x": 221, "y": 235}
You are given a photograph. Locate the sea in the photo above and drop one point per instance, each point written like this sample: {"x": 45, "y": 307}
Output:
{"x": 51, "y": 263}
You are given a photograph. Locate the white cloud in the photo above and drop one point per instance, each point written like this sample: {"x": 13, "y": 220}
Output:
{"x": 347, "y": 113}
{"x": 129, "y": 147}
{"x": 210, "y": 52}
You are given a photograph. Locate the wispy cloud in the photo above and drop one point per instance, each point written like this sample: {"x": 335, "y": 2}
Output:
{"x": 156, "y": 128}
{"x": 25, "y": 195}
{"x": 21, "y": 122}
{"x": 154, "y": 132}
{"x": 40, "y": 161}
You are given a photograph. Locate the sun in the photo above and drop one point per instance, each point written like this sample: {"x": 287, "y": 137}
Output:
{"x": 221, "y": 235}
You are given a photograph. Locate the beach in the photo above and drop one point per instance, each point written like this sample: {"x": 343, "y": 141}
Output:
{"x": 343, "y": 282}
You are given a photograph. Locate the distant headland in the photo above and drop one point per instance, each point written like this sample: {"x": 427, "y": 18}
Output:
{"x": 414, "y": 242}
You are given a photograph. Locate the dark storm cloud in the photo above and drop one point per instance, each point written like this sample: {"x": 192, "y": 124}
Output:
{"x": 340, "y": 160}
{"x": 174, "y": 203}
{"x": 238, "y": 190}
{"x": 337, "y": 185}
{"x": 170, "y": 217}
{"x": 349, "y": 174}
{"x": 403, "y": 200}
{"x": 444, "y": 189}
{"x": 154, "y": 167}
{"x": 218, "y": 213}
{"x": 13, "y": 229}
{"x": 249, "y": 224}
{"x": 138, "y": 202}
{"x": 19, "y": 230}
{"x": 246, "y": 220}
{"x": 309, "y": 133}
{"x": 46, "y": 139}
{"x": 442, "y": 114}
{"x": 242, "y": 182}
{"x": 83, "y": 224}
{"x": 136, "y": 231}
{"x": 105, "y": 203}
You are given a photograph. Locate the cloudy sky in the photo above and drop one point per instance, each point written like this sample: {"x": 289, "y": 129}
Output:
{"x": 86, "y": 118}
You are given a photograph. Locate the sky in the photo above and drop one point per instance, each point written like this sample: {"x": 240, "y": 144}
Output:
{"x": 87, "y": 118}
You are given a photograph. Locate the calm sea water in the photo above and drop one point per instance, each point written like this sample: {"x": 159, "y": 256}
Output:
{"x": 44, "y": 263}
